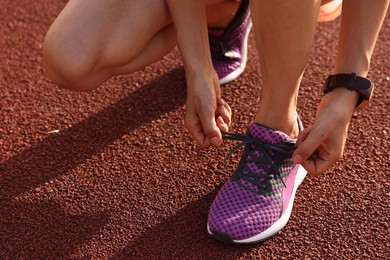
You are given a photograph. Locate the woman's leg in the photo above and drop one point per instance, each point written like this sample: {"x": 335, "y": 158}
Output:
{"x": 284, "y": 41}
{"x": 93, "y": 40}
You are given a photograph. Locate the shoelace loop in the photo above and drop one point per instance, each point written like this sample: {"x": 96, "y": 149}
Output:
{"x": 282, "y": 151}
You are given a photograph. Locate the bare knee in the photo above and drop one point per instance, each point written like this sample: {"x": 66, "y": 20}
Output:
{"x": 69, "y": 65}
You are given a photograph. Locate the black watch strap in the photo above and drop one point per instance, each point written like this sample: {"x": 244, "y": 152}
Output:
{"x": 352, "y": 82}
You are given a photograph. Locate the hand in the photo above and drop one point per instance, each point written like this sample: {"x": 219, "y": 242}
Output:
{"x": 206, "y": 113}
{"x": 322, "y": 144}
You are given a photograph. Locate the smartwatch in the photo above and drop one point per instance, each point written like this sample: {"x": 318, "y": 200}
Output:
{"x": 352, "y": 82}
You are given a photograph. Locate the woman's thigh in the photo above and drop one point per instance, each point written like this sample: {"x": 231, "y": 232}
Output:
{"x": 93, "y": 35}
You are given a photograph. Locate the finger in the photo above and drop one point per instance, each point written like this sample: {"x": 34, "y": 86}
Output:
{"x": 224, "y": 113}
{"x": 310, "y": 166}
{"x": 316, "y": 166}
{"x": 213, "y": 135}
{"x": 201, "y": 138}
{"x": 307, "y": 147}
{"x": 196, "y": 130}
{"x": 222, "y": 102}
{"x": 302, "y": 136}
{"x": 228, "y": 108}
{"x": 210, "y": 129}
{"x": 221, "y": 124}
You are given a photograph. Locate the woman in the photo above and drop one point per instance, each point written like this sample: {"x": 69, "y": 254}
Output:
{"x": 93, "y": 40}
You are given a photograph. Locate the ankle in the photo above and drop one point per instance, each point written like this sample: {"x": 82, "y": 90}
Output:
{"x": 288, "y": 124}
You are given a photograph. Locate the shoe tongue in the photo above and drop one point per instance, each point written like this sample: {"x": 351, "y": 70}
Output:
{"x": 267, "y": 134}
{"x": 216, "y": 31}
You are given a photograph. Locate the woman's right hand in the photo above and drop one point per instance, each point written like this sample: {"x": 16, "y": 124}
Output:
{"x": 322, "y": 144}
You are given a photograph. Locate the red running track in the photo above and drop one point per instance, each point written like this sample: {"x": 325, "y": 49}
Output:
{"x": 114, "y": 174}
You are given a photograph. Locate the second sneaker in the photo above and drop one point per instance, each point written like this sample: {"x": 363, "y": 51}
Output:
{"x": 229, "y": 46}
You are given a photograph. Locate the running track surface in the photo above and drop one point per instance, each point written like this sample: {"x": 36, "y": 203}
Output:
{"x": 114, "y": 174}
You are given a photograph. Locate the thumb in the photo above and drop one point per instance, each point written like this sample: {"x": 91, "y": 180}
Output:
{"x": 212, "y": 131}
{"x": 306, "y": 146}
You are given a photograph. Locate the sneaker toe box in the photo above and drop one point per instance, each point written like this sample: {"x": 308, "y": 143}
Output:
{"x": 238, "y": 214}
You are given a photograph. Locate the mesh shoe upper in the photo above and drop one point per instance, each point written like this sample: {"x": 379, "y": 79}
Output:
{"x": 229, "y": 46}
{"x": 251, "y": 200}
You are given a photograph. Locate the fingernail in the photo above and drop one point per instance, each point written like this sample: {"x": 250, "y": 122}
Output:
{"x": 221, "y": 102}
{"x": 297, "y": 159}
{"x": 214, "y": 141}
{"x": 221, "y": 109}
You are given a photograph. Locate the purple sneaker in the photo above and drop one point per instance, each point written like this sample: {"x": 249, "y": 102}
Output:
{"x": 229, "y": 47}
{"x": 256, "y": 202}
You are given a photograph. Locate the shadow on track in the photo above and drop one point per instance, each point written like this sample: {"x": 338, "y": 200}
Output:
{"x": 183, "y": 236}
{"x": 44, "y": 231}
{"x": 60, "y": 153}
{"x": 55, "y": 155}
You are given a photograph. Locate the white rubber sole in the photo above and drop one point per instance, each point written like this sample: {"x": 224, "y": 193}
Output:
{"x": 280, "y": 223}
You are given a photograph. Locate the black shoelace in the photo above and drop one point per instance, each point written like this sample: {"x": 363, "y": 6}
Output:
{"x": 271, "y": 160}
